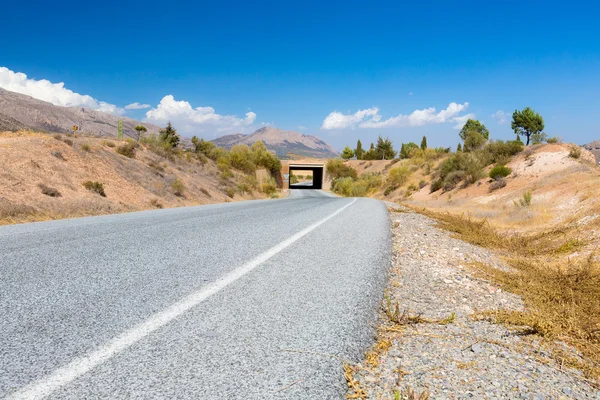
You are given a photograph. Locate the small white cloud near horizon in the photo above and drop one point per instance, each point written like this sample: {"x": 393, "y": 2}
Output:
{"x": 189, "y": 120}
{"x": 302, "y": 128}
{"x": 137, "y": 106}
{"x": 370, "y": 118}
{"x": 54, "y": 93}
{"x": 501, "y": 117}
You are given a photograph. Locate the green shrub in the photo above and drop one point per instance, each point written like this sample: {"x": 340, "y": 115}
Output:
{"x": 241, "y": 157}
{"x": 524, "y": 201}
{"x": 453, "y": 179}
{"x": 293, "y": 179}
{"x": 269, "y": 187}
{"x": 501, "y": 152}
{"x": 86, "y": 147}
{"x": 127, "y": 150}
{"x": 230, "y": 192}
{"x": 500, "y": 171}
{"x": 554, "y": 139}
{"x": 575, "y": 152}
{"x": 389, "y": 190}
{"x": 422, "y": 184}
{"x": 336, "y": 169}
{"x": 95, "y": 187}
{"x": 436, "y": 185}
{"x": 178, "y": 187}
{"x": 398, "y": 175}
{"x": 110, "y": 144}
{"x": 224, "y": 166}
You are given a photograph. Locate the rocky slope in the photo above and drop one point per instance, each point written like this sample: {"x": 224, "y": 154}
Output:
{"x": 18, "y": 111}
{"x": 42, "y": 176}
{"x": 295, "y": 142}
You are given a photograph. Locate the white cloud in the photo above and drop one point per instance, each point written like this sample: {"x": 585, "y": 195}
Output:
{"x": 410, "y": 93}
{"x": 500, "y": 117}
{"x": 190, "y": 120}
{"x": 302, "y": 128}
{"x": 370, "y": 118}
{"x": 137, "y": 106}
{"x": 337, "y": 120}
{"x": 54, "y": 93}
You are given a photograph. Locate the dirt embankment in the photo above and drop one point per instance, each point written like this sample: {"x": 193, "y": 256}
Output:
{"x": 34, "y": 163}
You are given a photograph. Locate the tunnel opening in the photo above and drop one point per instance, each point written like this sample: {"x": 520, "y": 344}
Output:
{"x": 306, "y": 177}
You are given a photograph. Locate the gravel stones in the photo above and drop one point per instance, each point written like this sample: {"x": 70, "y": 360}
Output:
{"x": 466, "y": 358}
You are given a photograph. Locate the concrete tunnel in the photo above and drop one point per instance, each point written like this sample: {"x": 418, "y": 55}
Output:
{"x": 317, "y": 170}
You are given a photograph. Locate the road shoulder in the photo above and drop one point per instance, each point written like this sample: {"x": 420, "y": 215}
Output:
{"x": 430, "y": 343}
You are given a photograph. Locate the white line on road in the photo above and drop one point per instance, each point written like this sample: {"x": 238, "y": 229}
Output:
{"x": 79, "y": 366}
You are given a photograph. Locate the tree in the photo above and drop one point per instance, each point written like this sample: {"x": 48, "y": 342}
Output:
{"x": 347, "y": 153}
{"x": 371, "y": 154}
{"x": 474, "y": 125}
{"x": 359, "y": 150}
{"x": 385, "y": 149}
{"x": 202, "y": 146}
{"x": 526, "y": 123}
{"x": 140, "y": 129}
{"x": 473, "y": 141}
{"x": 406, "y": 148}
{"x": 459, "y": 148}
{"x": 169, "y": 137}
{"x": 424, "y": 143}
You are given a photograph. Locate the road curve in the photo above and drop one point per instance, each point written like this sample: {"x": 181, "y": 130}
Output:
{"x": 252, "y": 300}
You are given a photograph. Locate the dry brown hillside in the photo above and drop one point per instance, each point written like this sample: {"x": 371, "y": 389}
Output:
{"x": 42, "y": 177}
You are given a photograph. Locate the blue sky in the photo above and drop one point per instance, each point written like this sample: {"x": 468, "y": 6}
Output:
{"x": 233, "y": 66}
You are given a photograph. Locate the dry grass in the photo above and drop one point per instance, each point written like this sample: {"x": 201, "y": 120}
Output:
{"x": 561, "y": 290}
{"x": 49, "y": 191}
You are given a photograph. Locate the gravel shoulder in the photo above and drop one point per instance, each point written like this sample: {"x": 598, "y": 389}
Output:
{"x": 440, "y": 348}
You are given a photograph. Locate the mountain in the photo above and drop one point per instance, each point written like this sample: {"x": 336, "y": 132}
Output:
{"x": 295, "y": 142}
{"x": 18, "y": 111}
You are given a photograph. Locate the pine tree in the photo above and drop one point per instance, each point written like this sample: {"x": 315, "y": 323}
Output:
{"x": 348, "y": 153}
{"x": 169, "y": 136}
{"x": 359, "y": 150}
{"x": 459, "y": 148}
{"x": 424, "y": 143}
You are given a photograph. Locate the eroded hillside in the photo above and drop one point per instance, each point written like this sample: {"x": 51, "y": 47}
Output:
{"x": 42, "y": 177}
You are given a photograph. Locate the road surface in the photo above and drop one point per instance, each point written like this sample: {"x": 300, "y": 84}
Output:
{"x": 253, "y": 300}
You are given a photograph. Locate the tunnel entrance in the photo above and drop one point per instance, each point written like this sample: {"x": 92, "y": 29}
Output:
{"x": 306, "y": 176}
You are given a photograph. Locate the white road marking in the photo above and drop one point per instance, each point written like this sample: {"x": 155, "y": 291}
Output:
{"x": 79, "y": 366}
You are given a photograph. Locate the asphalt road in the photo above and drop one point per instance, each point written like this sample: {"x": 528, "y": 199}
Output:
{"x": 248, "y": 300}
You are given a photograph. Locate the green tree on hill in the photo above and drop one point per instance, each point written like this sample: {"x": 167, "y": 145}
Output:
{"x": 424, "y": 143}
{"x": 459, "y": 148}
{"x": 405, "y": 149}
{"x": 527, "y": 123}
{"x": 474, "y": 125}
{"x": 140, "y": 129}
{"x": 168, "y": 136}
{"x": 359, "y": 150}
{"x": 347, "y": 153}
{"x": 385, "y": 149}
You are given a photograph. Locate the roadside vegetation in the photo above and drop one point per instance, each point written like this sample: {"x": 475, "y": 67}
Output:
{"x": 150, "y": 170}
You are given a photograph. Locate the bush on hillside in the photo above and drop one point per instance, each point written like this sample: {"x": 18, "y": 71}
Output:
{"x": 241, "y": 158}
{"x": 498, "y": 184}
{"x": 95, "y": 187}
{"x": 49, "y": 191}
{"x": 127, "y": 150}
{"x": 336, "y": 169}
{"x": 398, "y": 175}
{"x": 500, "y": 171}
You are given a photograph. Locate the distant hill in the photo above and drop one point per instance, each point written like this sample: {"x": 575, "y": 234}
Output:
{"x": 594, "y": 148}
{"x": 19, "y": 111}
{"x": 295, "y": 142}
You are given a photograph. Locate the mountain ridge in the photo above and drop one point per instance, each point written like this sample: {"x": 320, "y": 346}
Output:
{"x": 19, "y": 111}
{"x": 294, "y": 142}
